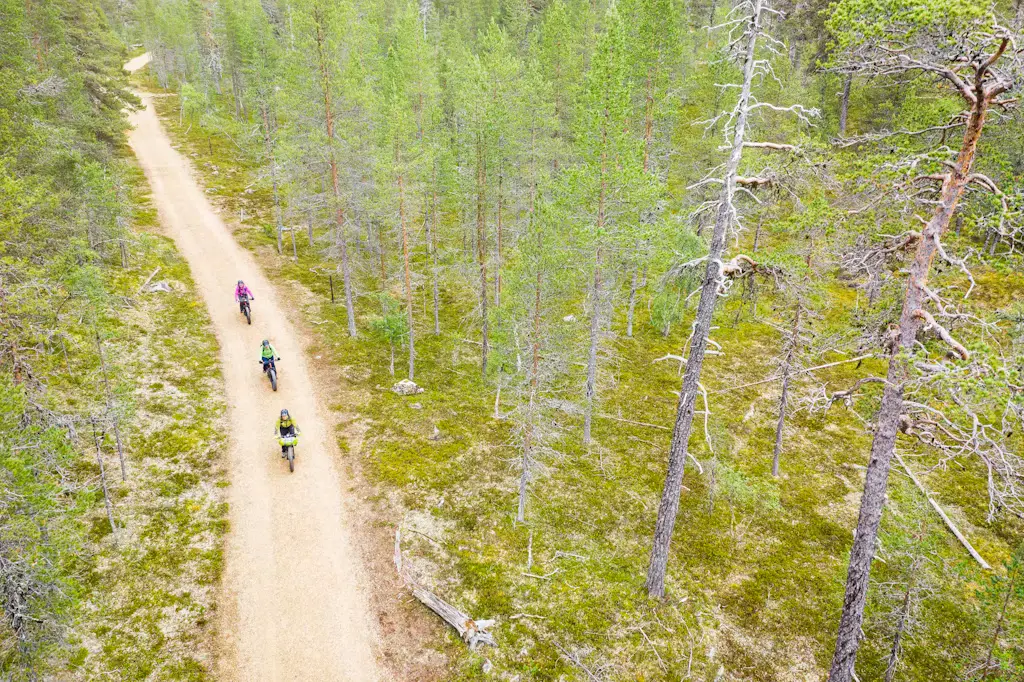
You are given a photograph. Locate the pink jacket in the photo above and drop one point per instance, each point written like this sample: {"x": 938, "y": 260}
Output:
{"x": 242, "y": 289}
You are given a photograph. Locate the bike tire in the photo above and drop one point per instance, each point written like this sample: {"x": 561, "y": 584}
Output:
{"x": 291, "y": 459}
{"x": 273, "y": 378}
{"x": 248, "y": 315}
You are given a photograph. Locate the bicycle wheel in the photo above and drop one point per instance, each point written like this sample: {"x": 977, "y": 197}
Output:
{"x": 248, "y": 315}
{"x": 291, "y": 459}
{"x": 273, "y": 377}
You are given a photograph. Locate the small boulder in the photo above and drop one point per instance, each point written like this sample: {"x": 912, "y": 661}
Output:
{"x": 406, "y": 387}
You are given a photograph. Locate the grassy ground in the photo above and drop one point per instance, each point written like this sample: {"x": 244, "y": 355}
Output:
{"x": 756, "y": 575}
{"x": 148, "y": 591}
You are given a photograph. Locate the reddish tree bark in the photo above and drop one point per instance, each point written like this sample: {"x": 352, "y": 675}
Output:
{"x": 979, "y": 95}
{"x": 339, "y": 213}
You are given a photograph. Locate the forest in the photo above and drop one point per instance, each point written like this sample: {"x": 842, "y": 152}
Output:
{"x": 715, "y": 310}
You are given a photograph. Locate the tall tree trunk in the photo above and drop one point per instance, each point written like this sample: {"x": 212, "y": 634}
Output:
{"x": 787, "y": 367}
{"x": 405, "y": 257}
{"x": 632, "y": 300}
{"x": 341, "y": 236}
{"x": 887, "y": 419}
{"x": 497, "y": 264}
{"x": 531, "y": 425}
{"x": 901, "y": 625}
{"x": 648, "y": 120}
{"x": 103, "y": 481}
{"x": 595, "y": 331}
{"x": 529, "y": 438}
{"x": 110, "y": 409}
{"x": 431, "y": 238}
{"x": 481, "y": 239}
{"x": 268, "y": 146}
{"x": 595, "y": 295}
{"x": 669, "y": 505}
{"x": 236, "y": 90}
{"x": 844, "y": 104}
{"x": 380, "y": 254}
{"x": 636, "y": 280}
{"x": 999, "y": 628}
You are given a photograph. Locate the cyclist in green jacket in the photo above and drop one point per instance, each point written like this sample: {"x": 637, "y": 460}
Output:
{"x": 268, "y": 355}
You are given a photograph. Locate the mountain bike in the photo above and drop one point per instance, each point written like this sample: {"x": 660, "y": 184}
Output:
{"x": 270, "y": 369}
{"x": 246, "y": 308}
{"x": 289, "y": 443}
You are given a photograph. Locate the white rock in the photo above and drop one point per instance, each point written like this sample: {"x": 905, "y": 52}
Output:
{"x": 406, "y": 387}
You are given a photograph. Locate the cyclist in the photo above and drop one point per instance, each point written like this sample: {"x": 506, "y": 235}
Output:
{"x": 242, "y": 293}
{"x": 286, "y": 427}
{"x": 268, "y": 354}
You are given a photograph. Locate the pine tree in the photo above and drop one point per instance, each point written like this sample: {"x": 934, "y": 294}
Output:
{"x": 322, "y": 63}
{"x": 608, "y": 183}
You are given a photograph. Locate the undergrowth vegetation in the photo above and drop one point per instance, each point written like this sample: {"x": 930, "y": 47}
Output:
{"x": 110, "y": 509}
{"x": 756, "y": 582}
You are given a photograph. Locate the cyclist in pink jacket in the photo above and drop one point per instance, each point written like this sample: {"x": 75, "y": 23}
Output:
{"x": 242, "y": 293}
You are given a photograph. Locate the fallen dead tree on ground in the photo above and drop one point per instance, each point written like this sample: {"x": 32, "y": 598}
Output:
{"x": 473, "y": 632}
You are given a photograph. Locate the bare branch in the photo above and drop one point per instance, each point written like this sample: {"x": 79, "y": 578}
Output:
{"x": 931, "y": 324}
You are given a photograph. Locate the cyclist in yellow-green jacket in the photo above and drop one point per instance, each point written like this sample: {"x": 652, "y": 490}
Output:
{"x": 285, "y": 427}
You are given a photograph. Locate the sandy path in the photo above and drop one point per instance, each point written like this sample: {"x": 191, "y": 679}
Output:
{"x": 293, "y": 606}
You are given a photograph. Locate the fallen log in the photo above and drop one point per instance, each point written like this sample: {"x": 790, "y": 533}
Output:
{"x": 473, "y": 632}
{"x": 149, "y": 279}
{"x": 949, "y": 523}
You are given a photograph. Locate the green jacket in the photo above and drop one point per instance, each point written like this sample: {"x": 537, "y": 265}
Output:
{"x": 267, "y": 352}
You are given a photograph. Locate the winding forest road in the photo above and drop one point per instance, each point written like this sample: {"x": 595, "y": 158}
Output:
{"x": 293, "y": 604}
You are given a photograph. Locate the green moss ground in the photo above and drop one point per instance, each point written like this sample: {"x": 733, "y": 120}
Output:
{"x": 148, "y": 601}
{"x": 757, "y": 569}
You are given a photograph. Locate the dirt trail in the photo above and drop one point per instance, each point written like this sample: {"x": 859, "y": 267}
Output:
{"x": 293, "y": 605}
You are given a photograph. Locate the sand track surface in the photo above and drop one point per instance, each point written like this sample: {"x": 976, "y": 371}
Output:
{"x": 294, "y": 605}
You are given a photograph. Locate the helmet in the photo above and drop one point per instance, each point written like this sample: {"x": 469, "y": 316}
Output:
{"x": 284, "y": 414}
{"x": 241, "y": 283}
{"x": 266, "y": 342}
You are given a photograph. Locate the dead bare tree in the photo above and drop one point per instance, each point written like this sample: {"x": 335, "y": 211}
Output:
{"x": 911, "y": 554}
{"x": 977, "y": 58}
{"x": 746, "y": 26}
{"x": 791, "y": 349}
{"x": 103, "y": 479}
{"x": 111, "y": 408}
